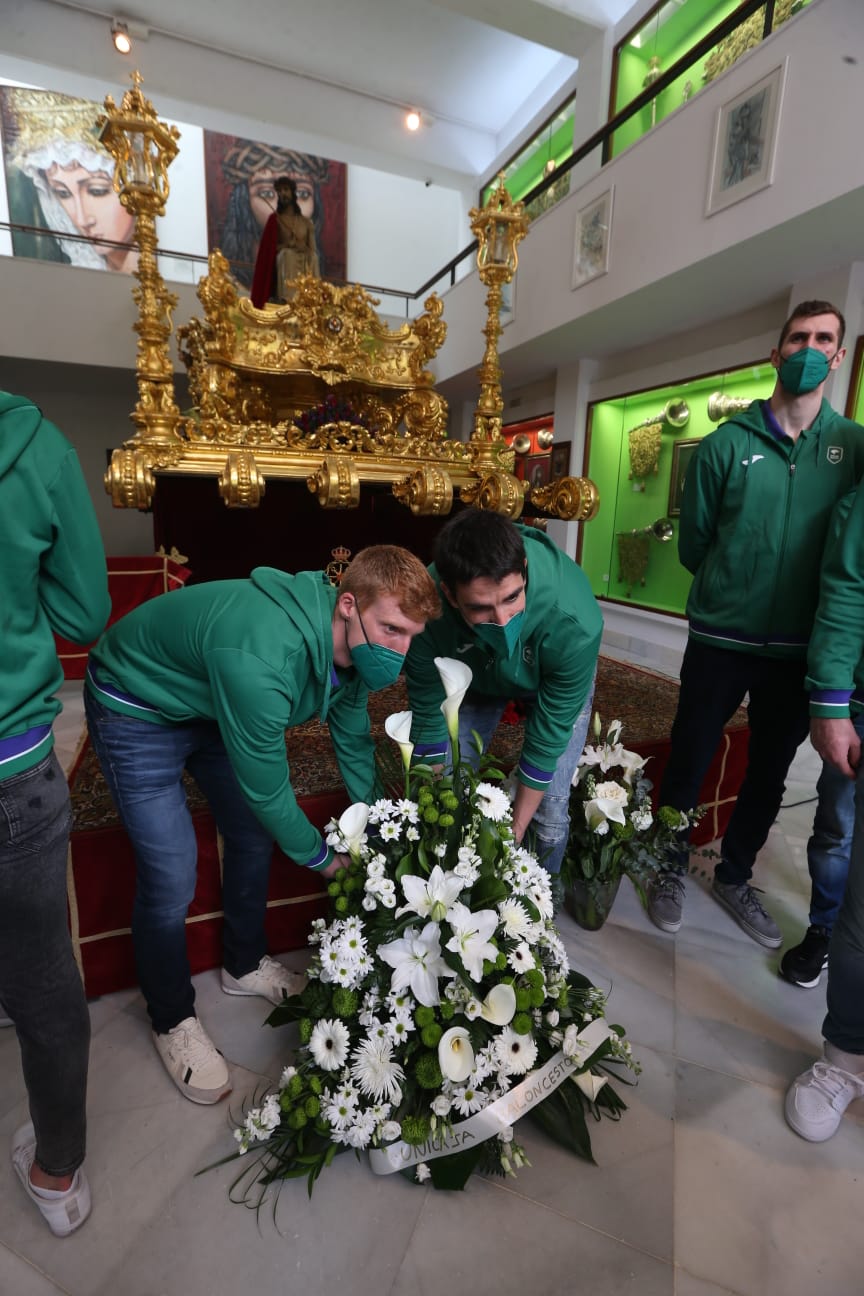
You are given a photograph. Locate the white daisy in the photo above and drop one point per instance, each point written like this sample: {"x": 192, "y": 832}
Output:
{"x": 520, "y": 958}
{"x": 468, "y": 1100}
{"x": 329, "y": 1044}
{"x": 408, "y": 810}
{"x": 375, "y": 1071}
{"x": 391, "y": 831}
{"x": 516, "y": 1054}
{"x": 492, "y": 802}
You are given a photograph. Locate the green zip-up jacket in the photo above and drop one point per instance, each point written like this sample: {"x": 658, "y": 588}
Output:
{"x": 553, "y": 663}
{"x": 754, "y": 518}
{"x": 256, "y": 656}
{"x": 835, "y": 658}
{"x": 52, "y": 576}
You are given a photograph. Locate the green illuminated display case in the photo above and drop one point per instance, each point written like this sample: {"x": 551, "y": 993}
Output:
{"x": 855, "y": 399}
{"x": 664, "y": 36}
{"x": 629, "y": 552}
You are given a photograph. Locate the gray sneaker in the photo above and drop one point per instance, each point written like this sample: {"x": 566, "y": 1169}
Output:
{"x": 666, "y": 901}
{"x": 740, "y": 900}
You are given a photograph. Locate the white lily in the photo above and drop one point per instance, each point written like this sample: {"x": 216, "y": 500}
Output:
{"x": 499, "y": 1006}
{"x": 416, "y": 961}
{"x": 456, "y": 676}
{"x": 470, "y": 939}
{"x": 398, "y": 727}
{"x": 455, "y": 1054}
{"x": 432, "y": 897}
{"x": 352, "y": 827}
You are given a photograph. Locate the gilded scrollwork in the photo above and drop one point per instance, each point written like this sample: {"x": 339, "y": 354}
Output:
{"x": 428, "y": 491}
{"x": 336, "y": 483}
{"x": 500, "y": 492}
{"x": 241, "y": 485}
{"x": 568, "y": 498}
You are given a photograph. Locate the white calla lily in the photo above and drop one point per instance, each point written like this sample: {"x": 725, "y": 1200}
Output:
{"x": 455, "y": 1054}
{"x": 398, "y": 727}
{"x": 456, "y": 677}
{"x": 352, "y": 827}
{"x": 499, "y": 1006}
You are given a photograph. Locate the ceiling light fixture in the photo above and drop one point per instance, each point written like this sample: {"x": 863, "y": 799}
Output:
{"x": 120, "y": 36}
{"x": 412, "y": 120}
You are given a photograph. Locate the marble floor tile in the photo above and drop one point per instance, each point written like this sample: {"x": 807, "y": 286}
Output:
{"x": 20, "y": 1278}
{"x": 758, "y": 1210}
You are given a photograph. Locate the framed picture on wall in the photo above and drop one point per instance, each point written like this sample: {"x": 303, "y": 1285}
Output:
{"x": 537, "y": 469}
{"x": 682, "y": 453}
{"x": 593, "y": 229}
{"x": 560, "y": 460}
{"x": 745, "y": 138}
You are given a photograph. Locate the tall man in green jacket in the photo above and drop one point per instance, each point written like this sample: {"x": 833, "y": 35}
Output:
{"x": 52, "y": 577}
{"x": 208, "y": 680}
{"x": 754, "y": 517}
{"x": 521, "y": 614}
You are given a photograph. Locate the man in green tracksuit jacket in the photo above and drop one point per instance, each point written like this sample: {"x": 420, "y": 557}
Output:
{"x": 818, "y": 1098}
{"x": 52, "y": 578}
{"x": 754, "y": 517}
{"x": 208, "y": 680}
{"x": 521, "y": 615}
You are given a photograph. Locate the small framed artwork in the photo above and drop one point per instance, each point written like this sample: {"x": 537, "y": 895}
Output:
{"x": 593, "y": 228}
{"x": 507, "y": 313}
{"x": 682, "y": 453}
{"x": 537, "y": 469}
{"x": 560, "y": 460}
{"x": 745, "y": 139}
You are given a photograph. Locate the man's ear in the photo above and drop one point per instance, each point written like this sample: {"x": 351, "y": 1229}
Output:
{"x": 449, "y": 597}
{"x": 839, "y": 358}
{"x": 345, "y": 605}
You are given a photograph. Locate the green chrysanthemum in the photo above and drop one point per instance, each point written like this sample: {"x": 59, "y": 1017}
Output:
{"x": 304, "y": 1027}
{"x": 415, "y": 1129}
{"x": 312, "y": 1106}
{"x": 523, "y": 998}
{"x": 427, "y": 1071}
{"x": 522, "y": 1023}
{"x": 345, "y": 1002}
{"x": 431, "y": 1034}
{"x": 294, "y": 1088}
{"x": 424, "y": 1016}
{"x": 297, "y": 1119}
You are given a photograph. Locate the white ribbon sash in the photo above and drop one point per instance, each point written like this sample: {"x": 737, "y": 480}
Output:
{"x": 505, "y": 1111}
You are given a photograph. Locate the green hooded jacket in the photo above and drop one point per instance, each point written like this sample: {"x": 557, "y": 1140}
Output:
{"x": 835, "y": 658}
{"x": 754, "y": 518}
{"x": 553, "y": 663}
{"x": 256, "y": 656}
{"x": 52, "y": 576}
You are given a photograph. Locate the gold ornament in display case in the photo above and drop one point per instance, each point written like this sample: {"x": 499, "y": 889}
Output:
{"x": 722, "y": 407}
{"x": 317, "y": 390}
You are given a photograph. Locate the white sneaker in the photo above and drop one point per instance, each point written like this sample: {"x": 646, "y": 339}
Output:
{"x": 271, "y": 980}
{"x": 63, "y": 1212}
{"x": 817, "y": 1100}
{"x": 193, "y": 1061}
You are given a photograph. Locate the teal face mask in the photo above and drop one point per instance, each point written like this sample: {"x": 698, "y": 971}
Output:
{"x": 803, "y": 371}
{"x": 376, "y": 665}
{"x": 502, "y": 639}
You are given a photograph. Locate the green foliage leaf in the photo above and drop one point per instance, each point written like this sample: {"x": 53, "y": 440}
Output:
{"x": 455, "y": 1170}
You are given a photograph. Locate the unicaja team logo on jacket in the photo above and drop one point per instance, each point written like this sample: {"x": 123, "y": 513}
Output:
{"x": 835, "y": 454}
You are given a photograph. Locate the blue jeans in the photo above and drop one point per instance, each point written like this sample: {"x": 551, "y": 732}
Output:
{"x": 143, "y": 766}
{"x": 828, "y": 848}
{"x": 714, "y": 682}
{"x": 40, "y": 986}
{"x": 844, "y": 1024}
{"x": 551, "y": 822}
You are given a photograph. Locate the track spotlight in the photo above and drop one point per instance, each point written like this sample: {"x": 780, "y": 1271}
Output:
{"x": 120, "y": 36}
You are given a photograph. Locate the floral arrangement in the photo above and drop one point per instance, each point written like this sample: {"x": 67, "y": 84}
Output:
{"x": 613, "y": 828}
{"x": 440, "y": 1006}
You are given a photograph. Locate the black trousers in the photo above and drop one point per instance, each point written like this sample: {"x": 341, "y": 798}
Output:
{"x": 714, "y": 682}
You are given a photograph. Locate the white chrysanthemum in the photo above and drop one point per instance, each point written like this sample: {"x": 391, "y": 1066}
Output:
{"x": 376, "y": 1072}
{"x": 360, "y": 1134}
{"x": 380, "y": 810}
{"x": 467, "y": 1100}
{"x": 391, "y": 831}
{"x": 468, "y": 872}
{"x": 516, "y": 1053}
{"x": 492, "y": 802}
{"x": 521, "y": 959}
{"x": 485, "y": 1062}
{"x": 288, "y": 1073}
{"x": 329, "y": 1044}
{"x": 515, "y": 921}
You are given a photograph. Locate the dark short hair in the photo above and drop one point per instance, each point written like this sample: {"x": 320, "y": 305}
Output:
{"x": 807, "y": 309}
{"x": 477, "y": 543}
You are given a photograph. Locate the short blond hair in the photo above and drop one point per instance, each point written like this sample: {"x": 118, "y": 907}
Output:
{"x": 390, "y": 569}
